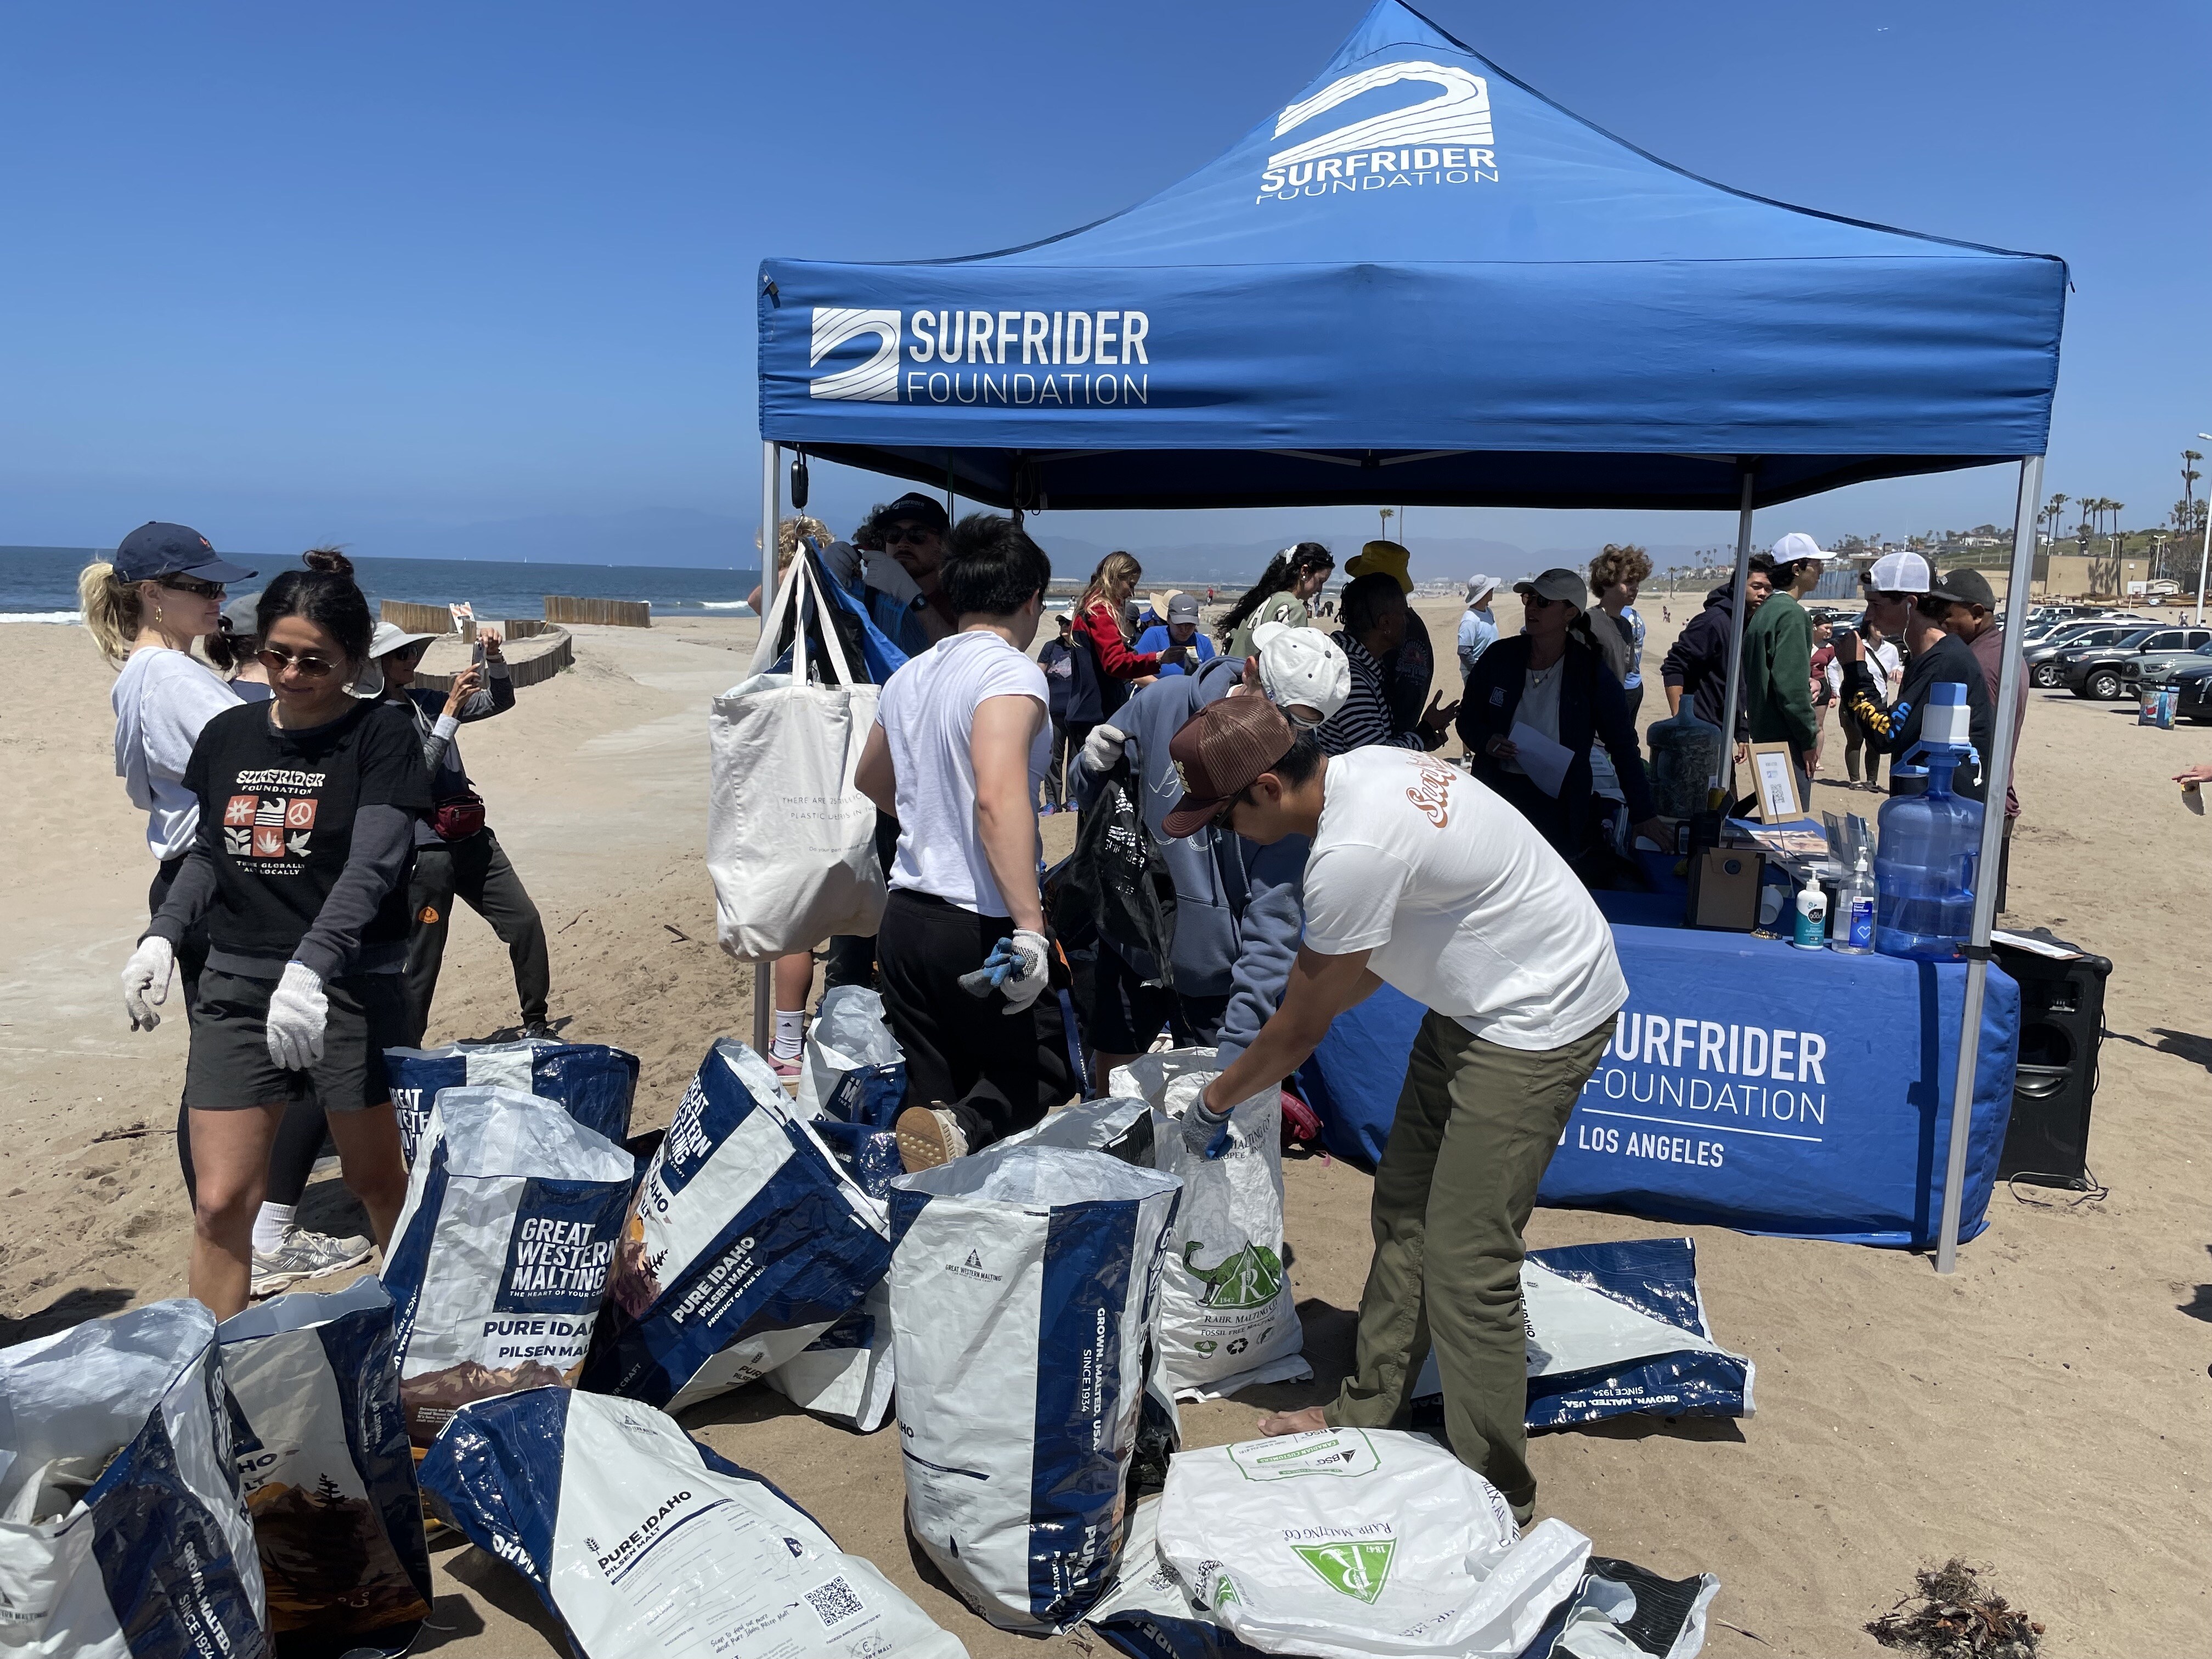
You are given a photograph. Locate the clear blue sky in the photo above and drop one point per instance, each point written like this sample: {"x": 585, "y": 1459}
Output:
{"x": 290, "y": 272}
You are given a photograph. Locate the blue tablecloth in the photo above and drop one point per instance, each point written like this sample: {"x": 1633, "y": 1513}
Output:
{"x": 1749, "y": 1084}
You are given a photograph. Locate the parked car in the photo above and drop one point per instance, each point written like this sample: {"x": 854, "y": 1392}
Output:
{"x": 2190, "y": 677}
{"x": 2147, "y": 654}
{"x": 2042, "y": 659}
{"x": 2044, "y": 631}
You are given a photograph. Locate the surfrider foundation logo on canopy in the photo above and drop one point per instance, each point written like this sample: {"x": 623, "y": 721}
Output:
{"x": 1055, "y": 359}
{"x": 1444, "y": 140}
{"x": 873, "y": 382}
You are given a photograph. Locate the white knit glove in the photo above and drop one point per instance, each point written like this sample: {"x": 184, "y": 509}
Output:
{"x": 1102, "y": 747}
{"x": 1021, "y": 990}
{"x": 146, "y": 982}
{"x": 297, "y": 1012}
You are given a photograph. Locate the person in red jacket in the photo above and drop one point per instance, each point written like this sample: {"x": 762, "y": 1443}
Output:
{"x": 1101, "y": 635}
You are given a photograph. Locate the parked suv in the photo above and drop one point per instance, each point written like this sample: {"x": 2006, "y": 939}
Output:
{"x": 2042, "y": 659}
{"x": 2147, "y": 655}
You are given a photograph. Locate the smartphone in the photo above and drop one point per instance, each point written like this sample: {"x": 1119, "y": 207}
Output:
{"x": 477, "y": 658}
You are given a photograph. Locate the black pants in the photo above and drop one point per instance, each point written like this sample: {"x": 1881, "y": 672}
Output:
{"x": 1856, "y": 739}
{"x": 953, "y": 1041}
{"x": 1634, "y": 693}
{"x": 475, "y": 870}
{"x": 298, "y": 1134}
{"x": 1065, "y": 745}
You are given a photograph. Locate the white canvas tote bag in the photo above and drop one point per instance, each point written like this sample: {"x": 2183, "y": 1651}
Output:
{"x": 790, "y": 838}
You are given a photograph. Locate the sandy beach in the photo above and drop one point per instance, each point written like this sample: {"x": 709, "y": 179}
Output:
{"x": 2043, "y": 1413}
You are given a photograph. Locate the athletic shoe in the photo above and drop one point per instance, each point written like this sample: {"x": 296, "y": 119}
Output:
{"x": 929, "y": 1136}
{"x": 303, "y": 1254}
{"x": 787, "y": 1071}
{"x": 539, "y": 1031}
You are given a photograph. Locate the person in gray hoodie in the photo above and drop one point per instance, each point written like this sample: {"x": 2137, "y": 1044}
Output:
{"x": 1239, "y": 907}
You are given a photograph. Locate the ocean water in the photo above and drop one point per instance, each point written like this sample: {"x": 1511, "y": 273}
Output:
{"x": 39, "y": 583}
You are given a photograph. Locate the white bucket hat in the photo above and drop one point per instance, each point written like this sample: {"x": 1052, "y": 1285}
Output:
{"x": 388, "y": 638}
{"x": 1302, "y": 668}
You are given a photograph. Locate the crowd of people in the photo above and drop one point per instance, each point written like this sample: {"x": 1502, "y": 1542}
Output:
{"x": 313, "y": 826}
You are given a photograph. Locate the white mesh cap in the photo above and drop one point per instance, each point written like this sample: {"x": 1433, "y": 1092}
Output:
{"x": 1302, "y": 668}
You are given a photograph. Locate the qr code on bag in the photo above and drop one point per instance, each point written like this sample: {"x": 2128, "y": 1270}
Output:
{"x": 835, "y": 1601}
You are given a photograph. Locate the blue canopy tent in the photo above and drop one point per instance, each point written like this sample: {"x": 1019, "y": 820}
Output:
{"x": 1424, "y": 269}
{"x": 1422, "y": 282}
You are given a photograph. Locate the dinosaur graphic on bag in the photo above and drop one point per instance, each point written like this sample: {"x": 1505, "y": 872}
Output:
{"x": 1249, "y": 1278}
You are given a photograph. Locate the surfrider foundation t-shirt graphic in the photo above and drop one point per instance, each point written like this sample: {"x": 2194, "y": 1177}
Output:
{"x": 273, "y": 833}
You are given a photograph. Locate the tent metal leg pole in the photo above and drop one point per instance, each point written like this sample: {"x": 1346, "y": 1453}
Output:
{"x": 1726, "y": 777}
{"x": 1996, "y": 774}
{"x": 771, "y": 511}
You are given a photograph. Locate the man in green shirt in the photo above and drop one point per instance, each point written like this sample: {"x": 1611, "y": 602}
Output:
{"x": 1777, "y": 653}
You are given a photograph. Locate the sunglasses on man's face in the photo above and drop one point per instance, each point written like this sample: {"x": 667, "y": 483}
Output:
{"x": 192, "y": 585}
{"x": 275, "y": 658}
{"x": 912, "y": 535}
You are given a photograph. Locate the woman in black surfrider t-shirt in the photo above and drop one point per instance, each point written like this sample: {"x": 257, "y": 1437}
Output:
{"x": 298, "y": 869}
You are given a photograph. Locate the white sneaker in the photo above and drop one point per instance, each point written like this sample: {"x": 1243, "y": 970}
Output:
{"x": 305, "y": 1254}
{"x": 929, "y": 1136}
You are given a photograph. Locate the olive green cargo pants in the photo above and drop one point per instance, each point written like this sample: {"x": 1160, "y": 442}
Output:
{"x": 1476, "y": 1126}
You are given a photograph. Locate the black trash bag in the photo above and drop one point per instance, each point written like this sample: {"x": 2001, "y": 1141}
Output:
{"x": 1115, "y": 883}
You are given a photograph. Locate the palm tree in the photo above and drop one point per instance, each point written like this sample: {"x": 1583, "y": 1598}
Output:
{"x": 2055, "y": 506}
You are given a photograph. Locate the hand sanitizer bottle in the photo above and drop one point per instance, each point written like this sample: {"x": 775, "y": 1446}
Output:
{"x": 1811, "y": 932}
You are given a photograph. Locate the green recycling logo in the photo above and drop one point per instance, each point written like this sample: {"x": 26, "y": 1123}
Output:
{"x": 1250, "y": 1278}
{"x": 1353, "y": 1568}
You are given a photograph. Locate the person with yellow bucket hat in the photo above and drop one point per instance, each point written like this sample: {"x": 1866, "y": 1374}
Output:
{"x": 1410, "y": 666}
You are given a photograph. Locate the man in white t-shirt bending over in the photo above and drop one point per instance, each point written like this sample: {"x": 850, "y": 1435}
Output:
{"x": 957, "y": 749}
{"x": 1422, "y": 879}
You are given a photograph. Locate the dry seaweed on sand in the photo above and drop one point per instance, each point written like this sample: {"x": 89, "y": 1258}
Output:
{"x": 1950, "y": 1615}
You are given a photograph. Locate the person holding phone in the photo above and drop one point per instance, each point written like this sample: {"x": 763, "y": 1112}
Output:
{"x": 456, "y": 854}
{"x": 298, "y": 870}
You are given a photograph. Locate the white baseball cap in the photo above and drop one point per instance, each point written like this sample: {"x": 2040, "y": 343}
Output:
{"x": 1798, "y": 545}
{"x": 1302, "y": 668}
{"x": 1898, "y": 572}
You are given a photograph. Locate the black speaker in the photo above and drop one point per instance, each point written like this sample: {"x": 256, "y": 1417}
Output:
{"x": 2062, "y": 1022}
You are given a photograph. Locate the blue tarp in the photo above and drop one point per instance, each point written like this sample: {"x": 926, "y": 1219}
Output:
{"x": 1749, "y": 1085}
{"x": 1421, "y": 281}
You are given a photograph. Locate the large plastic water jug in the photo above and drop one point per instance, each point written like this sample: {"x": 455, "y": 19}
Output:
{"x": 1924, "y": 871}
{"x": 1686, "y": 754}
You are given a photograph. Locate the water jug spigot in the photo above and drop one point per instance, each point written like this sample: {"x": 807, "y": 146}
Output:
{"x": 1942, "y": 747}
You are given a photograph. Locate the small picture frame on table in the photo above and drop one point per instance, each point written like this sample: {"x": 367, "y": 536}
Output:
{"x": 1774, "y": 780}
